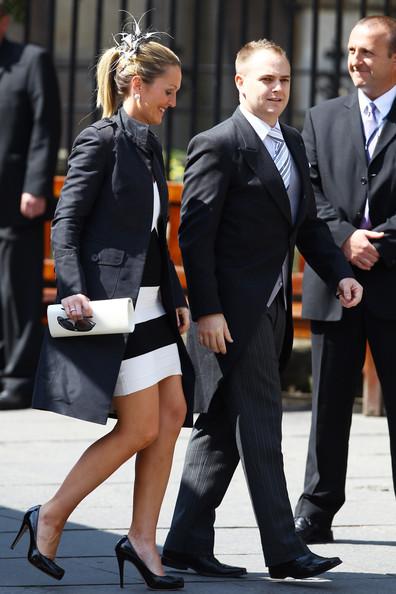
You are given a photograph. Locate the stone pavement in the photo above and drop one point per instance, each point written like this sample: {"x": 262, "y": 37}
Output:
{"x": 37, "y": 448}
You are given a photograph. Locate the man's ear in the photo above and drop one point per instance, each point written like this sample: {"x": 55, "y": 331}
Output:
{"x": 239, "y": 81}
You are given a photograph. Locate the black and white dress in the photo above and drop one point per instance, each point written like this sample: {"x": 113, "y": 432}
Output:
{"x": 151, "y": 353}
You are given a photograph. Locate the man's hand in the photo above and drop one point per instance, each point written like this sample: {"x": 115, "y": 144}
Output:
{"x": 213, "y": 333}
{"x": 32, "y": 206}
{"x": 349, "y": 292}
{"x": 183, "y": 319}
{"x": 359, "y": 250}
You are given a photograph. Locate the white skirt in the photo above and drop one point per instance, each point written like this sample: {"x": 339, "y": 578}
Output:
{"x": 154, "y": 353}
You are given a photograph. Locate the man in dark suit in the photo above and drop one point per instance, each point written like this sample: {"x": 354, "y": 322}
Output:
{"x": 351, "y": 145}
{"x": 30, "y": 127}
{"x": 247, "y": 202}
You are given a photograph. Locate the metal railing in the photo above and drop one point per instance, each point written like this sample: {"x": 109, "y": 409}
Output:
{"x": 206, "y": 34}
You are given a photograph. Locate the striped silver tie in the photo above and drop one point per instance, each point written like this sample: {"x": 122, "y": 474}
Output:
{"x": 281, "y": 155}
{"x": 371, "y": 127}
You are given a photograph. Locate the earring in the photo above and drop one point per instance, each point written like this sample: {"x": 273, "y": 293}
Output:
{"x": 137, "y": 96}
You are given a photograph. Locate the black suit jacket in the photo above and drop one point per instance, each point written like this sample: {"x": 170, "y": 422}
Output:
{"x": 236, "y": 228}
{"x": 30, "y": 128}
{"x": 342, "y": 180}
{"x": 100, "y": 237}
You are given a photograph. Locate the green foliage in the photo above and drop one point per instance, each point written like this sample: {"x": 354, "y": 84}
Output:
{"x": 15, "y": 8}
{"x": 177, "y": 163}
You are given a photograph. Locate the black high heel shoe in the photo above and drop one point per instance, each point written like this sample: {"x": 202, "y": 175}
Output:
{"x": 34, "y": 556}
{"x": 125, "y": 552}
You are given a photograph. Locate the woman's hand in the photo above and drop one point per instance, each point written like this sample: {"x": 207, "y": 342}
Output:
{"x": 77, "y": 307}
{"x": 183, "y": 319}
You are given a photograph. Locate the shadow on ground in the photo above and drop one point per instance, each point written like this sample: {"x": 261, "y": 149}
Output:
{"x": 87, "y": 555}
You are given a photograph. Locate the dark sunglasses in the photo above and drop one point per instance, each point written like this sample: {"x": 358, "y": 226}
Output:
{"x": 83, "y": 325}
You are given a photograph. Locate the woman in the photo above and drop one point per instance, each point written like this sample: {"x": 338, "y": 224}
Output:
{"x": 109, "y": 240}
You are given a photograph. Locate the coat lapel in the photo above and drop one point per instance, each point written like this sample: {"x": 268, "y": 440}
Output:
{"x": 159, "y": 175}
{"x": 259, "y": 159}
{"x": 137, "y": 137}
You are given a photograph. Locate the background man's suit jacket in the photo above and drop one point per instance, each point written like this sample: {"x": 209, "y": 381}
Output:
{"x": 236, "y": 228}
{"x": 30, "y": 128}
{"x": 334, "y": 140}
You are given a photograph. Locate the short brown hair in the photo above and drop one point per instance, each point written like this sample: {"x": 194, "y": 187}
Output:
{"x": 387, "y": 22}
{"x": 253, "y": 46}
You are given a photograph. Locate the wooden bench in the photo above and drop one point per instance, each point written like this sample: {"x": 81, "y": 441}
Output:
{"x": 372, "y": 398}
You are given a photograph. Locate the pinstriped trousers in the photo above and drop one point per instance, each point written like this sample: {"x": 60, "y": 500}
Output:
{"x": 243, "y": 422}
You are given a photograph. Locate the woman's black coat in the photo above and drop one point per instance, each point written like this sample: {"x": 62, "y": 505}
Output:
{"x": 100, "y": 237}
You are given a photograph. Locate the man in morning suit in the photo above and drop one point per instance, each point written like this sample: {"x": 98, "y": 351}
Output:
{"x": 247, "y": 202}
{"x": 351, "y": 145}
{"x": 30, "y": 127}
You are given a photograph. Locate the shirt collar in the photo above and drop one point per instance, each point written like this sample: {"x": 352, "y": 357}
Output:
{"x": 382, "y": 103}
{"x": 137, "y": 130}
{"x": 261, "y": 128}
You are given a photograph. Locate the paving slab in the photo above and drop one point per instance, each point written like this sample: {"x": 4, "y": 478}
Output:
{"x": 37, "y": 449}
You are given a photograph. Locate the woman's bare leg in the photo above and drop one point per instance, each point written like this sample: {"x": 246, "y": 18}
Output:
{"x": 153, "y": 465}
{"x": 136, "y": 428}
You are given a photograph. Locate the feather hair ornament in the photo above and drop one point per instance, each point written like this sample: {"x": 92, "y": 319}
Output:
{"x": 128, "y": 43}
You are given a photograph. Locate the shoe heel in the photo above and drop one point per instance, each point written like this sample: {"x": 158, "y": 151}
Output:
{"x": 21, "y": 532}
{"x": 121, "y": 561}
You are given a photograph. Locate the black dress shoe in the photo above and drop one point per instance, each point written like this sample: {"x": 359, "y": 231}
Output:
{"x": 125, "y": 552}
{"x": 44, "y": 564}
{"x": 206, "y": 565}
{"x": 13, "y": 400}
{"x": 306, "y": 566}
{"x": 312, "y": 532}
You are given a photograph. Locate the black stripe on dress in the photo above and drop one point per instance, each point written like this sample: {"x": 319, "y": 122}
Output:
{"x": 153, "y": 266}
{"x": 149, "y": 336}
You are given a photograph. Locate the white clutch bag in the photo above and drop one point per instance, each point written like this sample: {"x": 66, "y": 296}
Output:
{"x": 110, "y": 316}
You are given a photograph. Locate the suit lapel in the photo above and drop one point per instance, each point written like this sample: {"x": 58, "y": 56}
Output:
{"x": 297, "y": 151}
{"x": 388, "y": 132}
{"x": 355, "y": 126}
{"x": 259, "y": 159}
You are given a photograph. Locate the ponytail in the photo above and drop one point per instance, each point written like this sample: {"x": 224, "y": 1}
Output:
{"x": 108, "y": 97}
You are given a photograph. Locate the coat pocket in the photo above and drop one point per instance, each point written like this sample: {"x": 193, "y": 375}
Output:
{"x": 103, "y": 272}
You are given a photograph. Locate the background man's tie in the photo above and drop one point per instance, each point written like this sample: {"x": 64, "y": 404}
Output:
{"x": 281, "y": 156}
{"x": 371, "y": 126}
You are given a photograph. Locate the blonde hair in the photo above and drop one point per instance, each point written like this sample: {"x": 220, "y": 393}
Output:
{"x": 253, "y": 46}
{"x": 115, "y": 71}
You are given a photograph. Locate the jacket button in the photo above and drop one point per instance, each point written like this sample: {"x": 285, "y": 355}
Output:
{"x": 359, "y": 213}
{"x": 94, "y": 257}
{"x": 363, "y": 181}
